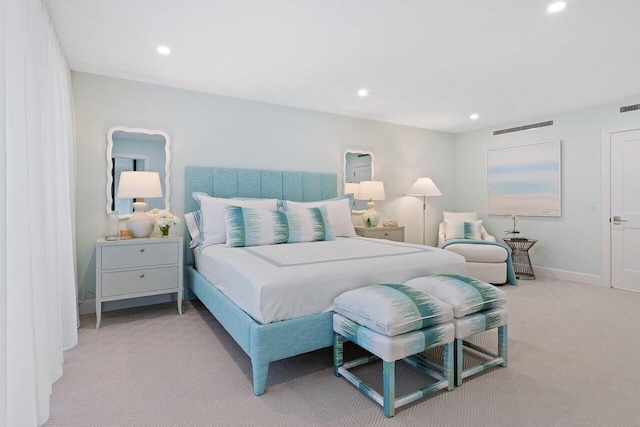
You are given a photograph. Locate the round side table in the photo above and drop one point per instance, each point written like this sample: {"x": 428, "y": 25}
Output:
{"x": 520, "y": 257}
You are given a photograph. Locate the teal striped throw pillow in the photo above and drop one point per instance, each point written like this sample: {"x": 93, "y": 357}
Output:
{"x": 463, "y": 230}
{"x": 254, "y": 227}
{"x": 309, "y": 225}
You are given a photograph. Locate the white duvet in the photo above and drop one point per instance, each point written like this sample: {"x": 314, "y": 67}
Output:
{"x": 279, "y": 282}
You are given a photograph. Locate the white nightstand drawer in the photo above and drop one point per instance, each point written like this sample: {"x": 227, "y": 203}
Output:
{"x": 139, "y": 255}
{"x": 135, "y": 281}
{"x": 395, "y": 234}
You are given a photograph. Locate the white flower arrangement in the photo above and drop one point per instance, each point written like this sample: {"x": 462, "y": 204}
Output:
{"x": 163, "y": 219}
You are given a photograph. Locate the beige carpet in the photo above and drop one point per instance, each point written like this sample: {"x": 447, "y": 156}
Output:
{"x": 574, "y": 360}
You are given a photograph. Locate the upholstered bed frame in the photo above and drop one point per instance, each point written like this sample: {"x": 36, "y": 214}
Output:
{"x": 273, "y": 341}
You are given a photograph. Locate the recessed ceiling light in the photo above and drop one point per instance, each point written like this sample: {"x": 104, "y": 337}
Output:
{"x": 474, "y": 116}
{"x": 164, "y": 50}
{"x": 363, "y": 92}
{"x": 556, "y": 7}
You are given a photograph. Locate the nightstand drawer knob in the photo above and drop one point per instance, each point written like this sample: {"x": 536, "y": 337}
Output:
{"x": 142, "y": 250}
{"x": 142, "y": 276}
{"x": 386, "y": 234}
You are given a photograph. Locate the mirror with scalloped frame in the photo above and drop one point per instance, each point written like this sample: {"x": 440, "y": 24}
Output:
{"x": 137, "y": 149}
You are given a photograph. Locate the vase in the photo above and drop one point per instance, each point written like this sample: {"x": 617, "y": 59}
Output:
{"x": 165, "y": 231}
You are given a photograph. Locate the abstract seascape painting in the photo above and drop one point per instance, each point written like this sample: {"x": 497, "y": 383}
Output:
{"x": 525, "y": 180}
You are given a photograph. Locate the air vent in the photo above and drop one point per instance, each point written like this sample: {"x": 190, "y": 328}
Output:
{"x": 525, "y": 127}
{"x": 630, "y": 108}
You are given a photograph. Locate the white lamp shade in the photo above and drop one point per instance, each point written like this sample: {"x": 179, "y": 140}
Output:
{"x": 139, "y": 184}
{"x": 371, "y": 190}
{"x": 352, "y": 188}
{"x": 424, "y": 187}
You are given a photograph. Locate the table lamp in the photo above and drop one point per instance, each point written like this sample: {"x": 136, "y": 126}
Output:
{"x": 138, "y": 185}
{"x": 371, "y": 190}
{"x": 352, "y": 188}
{"x": 424, "y": 187}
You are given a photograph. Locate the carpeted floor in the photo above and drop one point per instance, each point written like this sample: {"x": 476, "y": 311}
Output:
{"x": 574, "y": 360}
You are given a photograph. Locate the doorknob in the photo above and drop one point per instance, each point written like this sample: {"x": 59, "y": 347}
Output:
{"x": 617, "y": 220}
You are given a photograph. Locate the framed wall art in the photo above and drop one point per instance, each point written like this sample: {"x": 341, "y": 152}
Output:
{"x": 525, "y": 180}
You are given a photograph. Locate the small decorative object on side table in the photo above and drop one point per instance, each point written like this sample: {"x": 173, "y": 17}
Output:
{"x": 138, "y": 268}
{"x": 520, "y": 256}
{"x": 395, "y": 234}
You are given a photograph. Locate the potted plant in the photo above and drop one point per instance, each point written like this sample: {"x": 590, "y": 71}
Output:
{"x": 164, "y": 220}
{"x": 514, "y": 231}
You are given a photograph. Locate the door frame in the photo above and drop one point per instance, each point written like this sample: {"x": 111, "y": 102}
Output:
{"x": 605, "y": 193}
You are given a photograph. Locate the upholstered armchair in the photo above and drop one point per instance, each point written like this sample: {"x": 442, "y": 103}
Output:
{"x": 464, "y": 234}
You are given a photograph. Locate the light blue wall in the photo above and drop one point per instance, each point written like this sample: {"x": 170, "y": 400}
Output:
{"x": 573, "y": 242}
{"x": 212, "y": 130}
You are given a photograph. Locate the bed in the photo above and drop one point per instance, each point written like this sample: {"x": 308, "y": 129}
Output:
{"x": 248, "y": 281}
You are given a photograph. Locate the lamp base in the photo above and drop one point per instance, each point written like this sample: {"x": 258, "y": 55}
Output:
{"x": 140, "y": 224}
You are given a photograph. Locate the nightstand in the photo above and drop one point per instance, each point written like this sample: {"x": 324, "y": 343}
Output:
{"x": 138, "y": 268}
{"x": 390, "y": 233}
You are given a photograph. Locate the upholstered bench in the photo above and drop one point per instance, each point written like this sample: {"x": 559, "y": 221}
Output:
{"x": 394, "y": 322}
{"x": 477, "y": 307}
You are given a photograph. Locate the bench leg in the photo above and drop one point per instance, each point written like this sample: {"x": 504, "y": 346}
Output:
{"x": 338, "y": 360}
{"x": 458, "y": 361}
{"x": 503, "y": 344}
{"x": 389, "y": 388}
{"x": 448, "y": 364}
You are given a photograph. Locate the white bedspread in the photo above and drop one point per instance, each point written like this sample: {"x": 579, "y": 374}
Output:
{"x": 279, "y": 282}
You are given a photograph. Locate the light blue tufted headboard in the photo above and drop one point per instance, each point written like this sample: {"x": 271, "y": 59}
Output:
{"x": 284, "y": 185}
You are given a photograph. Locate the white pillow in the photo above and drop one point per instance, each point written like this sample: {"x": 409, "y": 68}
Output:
{"x": 460, "y": 216}
{"x": 194, "y": 226}
{"x": 339, "y": 214}
{"x": 213, "y": 228}
{"x": 463, "y": 230}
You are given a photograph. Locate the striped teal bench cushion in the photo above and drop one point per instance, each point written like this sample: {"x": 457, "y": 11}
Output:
{"x": 392, "y": 309}
{"x": 464, "y": 294}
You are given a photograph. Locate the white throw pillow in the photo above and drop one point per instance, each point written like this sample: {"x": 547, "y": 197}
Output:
{"x": 339, "y": 214}
{"x": 213, "y": 225}
{"x": 463, "y": 230}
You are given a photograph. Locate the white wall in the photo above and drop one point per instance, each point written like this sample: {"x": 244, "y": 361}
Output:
{"x": 212, "y": 130}
{"x": 573, "y": 242}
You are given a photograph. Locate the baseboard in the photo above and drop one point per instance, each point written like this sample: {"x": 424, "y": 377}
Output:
{"x": 571, "y": 276}
{"x": 89, "y": 306}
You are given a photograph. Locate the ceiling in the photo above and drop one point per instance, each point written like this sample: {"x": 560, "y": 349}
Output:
{"x": 425, "y": 63}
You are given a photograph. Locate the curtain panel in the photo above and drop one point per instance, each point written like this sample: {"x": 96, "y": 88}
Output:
{"x": 39, "y": 308}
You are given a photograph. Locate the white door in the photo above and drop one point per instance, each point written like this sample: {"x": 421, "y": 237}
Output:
{"x": 625, "y": 210}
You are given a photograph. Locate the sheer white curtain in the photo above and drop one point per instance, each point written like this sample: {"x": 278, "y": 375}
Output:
{"x": 38, "y": 296}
